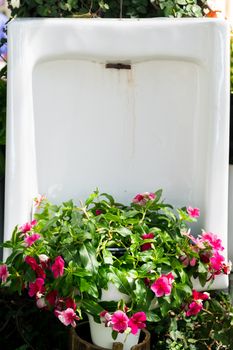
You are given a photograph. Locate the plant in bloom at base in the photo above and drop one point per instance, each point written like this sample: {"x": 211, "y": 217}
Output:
{"x": 67, "y": 255}
{"x": 120, "y": 322}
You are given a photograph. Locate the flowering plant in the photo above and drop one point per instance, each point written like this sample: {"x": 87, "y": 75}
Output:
{"x": 68, "y": 255}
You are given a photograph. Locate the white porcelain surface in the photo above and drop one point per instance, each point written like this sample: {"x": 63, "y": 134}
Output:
{"x": 113, "y": 294}
{"x": 102, "y": 336}
{"x": 74, "y": 125}
{"x": 230, "y": 218}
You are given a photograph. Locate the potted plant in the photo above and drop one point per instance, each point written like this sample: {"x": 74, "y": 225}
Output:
{"x": 67, "y": 257}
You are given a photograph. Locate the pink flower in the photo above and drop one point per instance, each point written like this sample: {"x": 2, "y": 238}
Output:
{"x": 142, "y": 198}
{"x": 147, "y": 246}
{"x": 36, "y": 287}
{"x": 70, "y": 303}
{"x": 98, "y": 212}
{"x": 193, "y": 212}
{"x": 186, "y": 261}
{"x": 205, "y": 257}
{"x": 137, "y": 321}
{"x": 213, "y": 240}
{"x": 67, "y": 317}
{"x": 28, "y": 226}
{"x": 38, "y": 200}
{"x": 200, "y": 295}
{"x": 58, "y": 267}
{"x": 30, "y": 239}
{"x": 31, "y": 262}
{"x": 119, "y": 321}
{"x": 216, "y": 261}
{"x": 163, "y": 285}
{"x": 194, "y": 308}
{"x": 51, "y": 297}
{"x": 193, "y": 262}
{"x": 227, "y": 268}
{"x": 106, "y": 318}
{"x": 4, "y": 272}
{"x": 40, "y": 272}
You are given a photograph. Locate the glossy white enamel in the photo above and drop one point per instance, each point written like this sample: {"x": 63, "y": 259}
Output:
{"x": 74, "y": 125}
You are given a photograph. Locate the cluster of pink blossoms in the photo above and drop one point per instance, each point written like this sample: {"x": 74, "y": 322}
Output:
{"x": 32, "y": 237}
{"x": 64, "y": 308}
{"x": 196, "y": 304}
{"x": 143, "y": 198}
{"x": 209, "y": 246}
{"x": 121, "y": 323}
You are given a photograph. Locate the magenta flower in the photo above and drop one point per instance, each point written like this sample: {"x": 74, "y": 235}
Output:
{"x": 119, "y": 321}
{"x": 213, "y": 240}
{"x": 200, "y": 295}
{"x": 216, "y": 261}
{"x": 28, "y": 226}
{"x": 4, "y": 272}
{"x": 137, "y": 321}
{"x": 194, "y": 308}
{"x": 31, "y": 262}
{"x": 70, "y": 303}
{"x": 106, "y": 318}
{"x": 98, "y": 212}
{"x": 163, "y": 285}
{"x": 36, "y": 287}
{"x": 58, "y": 267}
{"x": 30, "y": 239}
{"x": 227, "y": 268}
{"x": 193, "y": 212}
{"x": 67, "y": 317}
{"x": 40, "y": 272}
{"x": 147, "y": 246}
{"x": 51, "y": 297}
{"x": 142, "y": 198}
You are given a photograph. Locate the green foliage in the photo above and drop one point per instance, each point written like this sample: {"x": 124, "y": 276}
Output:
{"x": 210, "y": 329}
{"x": 110, "y": 8}
{"x": 181, "y": 8}
{"x": 85, "y": 236}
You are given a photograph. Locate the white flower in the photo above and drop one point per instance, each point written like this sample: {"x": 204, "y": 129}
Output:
{"x": 15, "y": 3}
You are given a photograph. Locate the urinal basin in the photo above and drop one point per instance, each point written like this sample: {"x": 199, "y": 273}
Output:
{"x": 123, "y": 105}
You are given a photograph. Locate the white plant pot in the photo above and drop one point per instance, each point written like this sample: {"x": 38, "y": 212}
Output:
{"x": 102, "y": 336}
{"x": 113, "y": 294}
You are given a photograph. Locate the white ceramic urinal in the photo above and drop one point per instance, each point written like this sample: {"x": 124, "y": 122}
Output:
{"x": 123, "y": 105}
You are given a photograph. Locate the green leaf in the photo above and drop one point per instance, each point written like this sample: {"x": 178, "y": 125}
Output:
{"x": 181, "y": 2}
{"x": 107, "y": 256}
{"x": 88, "y": 257}
{"x": 202, "y": 267}
{"x": 118, "y": 277}
{"x": 91, "y": 198}
{"x": 152, "y": 317}
{"x": 114, "y": 335}
{"x": 158, "y": 195}
{"x": 89, "y": 287}
{"x": 123, "y": 231}
{"x": 91, "y": 307}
